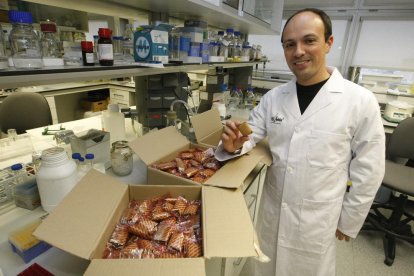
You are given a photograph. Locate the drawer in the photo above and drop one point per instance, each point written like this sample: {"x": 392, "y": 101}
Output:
{"x": 119, "y": 95}
{"x": 155, "y": 101}
{"x": 167, "y": 100}
{"x": 121, "y": 103}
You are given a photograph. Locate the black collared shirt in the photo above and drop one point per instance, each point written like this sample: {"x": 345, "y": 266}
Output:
{"x": 307, "y": 93}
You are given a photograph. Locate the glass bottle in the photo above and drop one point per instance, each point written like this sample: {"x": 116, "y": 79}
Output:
{"x": 49, "y": 41}
{"x": 237, "y": 46}
{"x": 89, "y": 159}
{"x": 95, "y": 48}
{"x": 56, "y": 177}
{"x": 223, "y": 45}
{"x": 83, "y": 168}
{"x": 3, "y": 56}
{"x": 234, "y": 99}
{"x": 174, "y": 44}
{"x": 259, "y": 54}
{"x": 250, "y": 99}
{"x": 87, "y": 53}
{"x": 24, "y": 42}
{"x": 20, "y": 175}
{"x": 228, "y": 40}
{"x": 117, "y": 46}
{"x": 127, "y": 42}
{"x": 121, "y": 158}
{"x": 105, "y": 47}
{"x": 246, "y": 52}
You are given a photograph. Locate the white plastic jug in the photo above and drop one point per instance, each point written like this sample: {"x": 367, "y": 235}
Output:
{"x": 56, "y": 177}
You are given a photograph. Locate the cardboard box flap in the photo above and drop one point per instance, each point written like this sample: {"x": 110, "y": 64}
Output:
{"x": 234, "y": 172}
{"x": 154, "y": 145}
{"x": 227, "y": 208}
{"x": 262, "y": 149}
{"x": 77, "y": 223}
{"x": 153, "y": 267}
{"x": 206, "y": 123}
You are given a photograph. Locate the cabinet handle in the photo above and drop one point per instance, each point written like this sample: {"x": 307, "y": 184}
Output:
{"x": 237, "y": 262}
{"x": 252, "y": 202}
{"x": 155, "y": 98}
{"x": 118, "y": 95}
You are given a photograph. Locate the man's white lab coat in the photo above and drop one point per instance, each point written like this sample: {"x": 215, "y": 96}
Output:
{"x": 339, "y": 137}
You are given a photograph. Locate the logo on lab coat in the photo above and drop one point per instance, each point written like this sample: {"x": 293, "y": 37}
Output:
{"x": 277, "y": 119}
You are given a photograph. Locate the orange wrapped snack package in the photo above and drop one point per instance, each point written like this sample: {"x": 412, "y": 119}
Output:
{"x": 144, "y": 228}
{"x": 195, "y": 164}
{"x": 159, "y": 227}
{"x": 120, "y": 236}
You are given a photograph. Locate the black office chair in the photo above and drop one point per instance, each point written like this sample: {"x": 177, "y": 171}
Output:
{"x": 23, "y": 111}
{"x": 393, "y": 217}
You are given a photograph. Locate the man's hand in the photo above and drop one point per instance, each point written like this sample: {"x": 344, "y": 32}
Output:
{"x": 341, "y": 235}
{"x": 232, "y": 138}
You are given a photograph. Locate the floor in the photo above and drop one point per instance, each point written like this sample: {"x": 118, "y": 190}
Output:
{"x": 364, "y": 256}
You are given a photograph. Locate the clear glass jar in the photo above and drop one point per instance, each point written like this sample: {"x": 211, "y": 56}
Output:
{"x": 24, "y": 42}
{"x": 121, "y": 158}
{"x": 49, "y": 41}
{"x": 56, "y": 177}
{"x": 3, "y": 56}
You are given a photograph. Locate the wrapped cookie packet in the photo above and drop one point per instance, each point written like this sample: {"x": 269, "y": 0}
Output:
{"x": 160, "y": 227}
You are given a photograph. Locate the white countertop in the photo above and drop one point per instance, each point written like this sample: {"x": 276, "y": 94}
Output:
{"x": 73, "y": 85}
{"x": 54, "y": 260}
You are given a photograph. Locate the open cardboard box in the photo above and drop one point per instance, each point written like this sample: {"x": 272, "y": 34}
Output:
{"x": 208, "y": 129}
{"x": 165, "y": 144}
{"x": 83, "y": 222}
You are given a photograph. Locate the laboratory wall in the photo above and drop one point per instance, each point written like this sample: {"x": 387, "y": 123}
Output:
{"x": 361, "y": 38}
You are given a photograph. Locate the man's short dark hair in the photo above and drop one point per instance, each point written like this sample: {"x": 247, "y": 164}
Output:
{"x": 325, "y": 19}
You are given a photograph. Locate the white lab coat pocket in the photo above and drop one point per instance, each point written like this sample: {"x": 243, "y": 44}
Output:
{"x": 328, "y": 150}
{"x": 317, "y": 224}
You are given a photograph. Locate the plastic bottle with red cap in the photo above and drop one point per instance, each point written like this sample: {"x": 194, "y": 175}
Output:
{"x": 87, "y": 53}
{"x": 105, "y": 47}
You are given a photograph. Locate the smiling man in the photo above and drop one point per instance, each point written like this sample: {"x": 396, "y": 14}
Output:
{"x": 323, "y": 130}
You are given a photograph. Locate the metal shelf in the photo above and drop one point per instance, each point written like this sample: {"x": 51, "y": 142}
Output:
{"x": 18, "y": 78}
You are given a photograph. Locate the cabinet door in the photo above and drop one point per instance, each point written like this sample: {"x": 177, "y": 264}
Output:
{"x": 269, "y": 11}
{"x": 121, "y": 97}
{"x": 119, "y": 94}
{"x": 233, "y": 266}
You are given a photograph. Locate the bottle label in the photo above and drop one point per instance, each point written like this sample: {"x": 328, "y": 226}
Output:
{"x": 105, "y": 52}
{"x": 89, "y": 58}
{"x": 128, "y": 44}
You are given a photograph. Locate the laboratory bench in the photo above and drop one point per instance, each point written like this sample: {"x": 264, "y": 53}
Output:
{"x": 59, "y": 262}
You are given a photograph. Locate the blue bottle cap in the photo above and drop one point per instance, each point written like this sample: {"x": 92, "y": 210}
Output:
{"x": 16, "y": 167}
{"x": 81, "y": 159}
{"x": 20, "y": 17}
{"x": 229, "y": 30}
{"x": 76, "y": 155}
{"x": 89, "y": 156}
